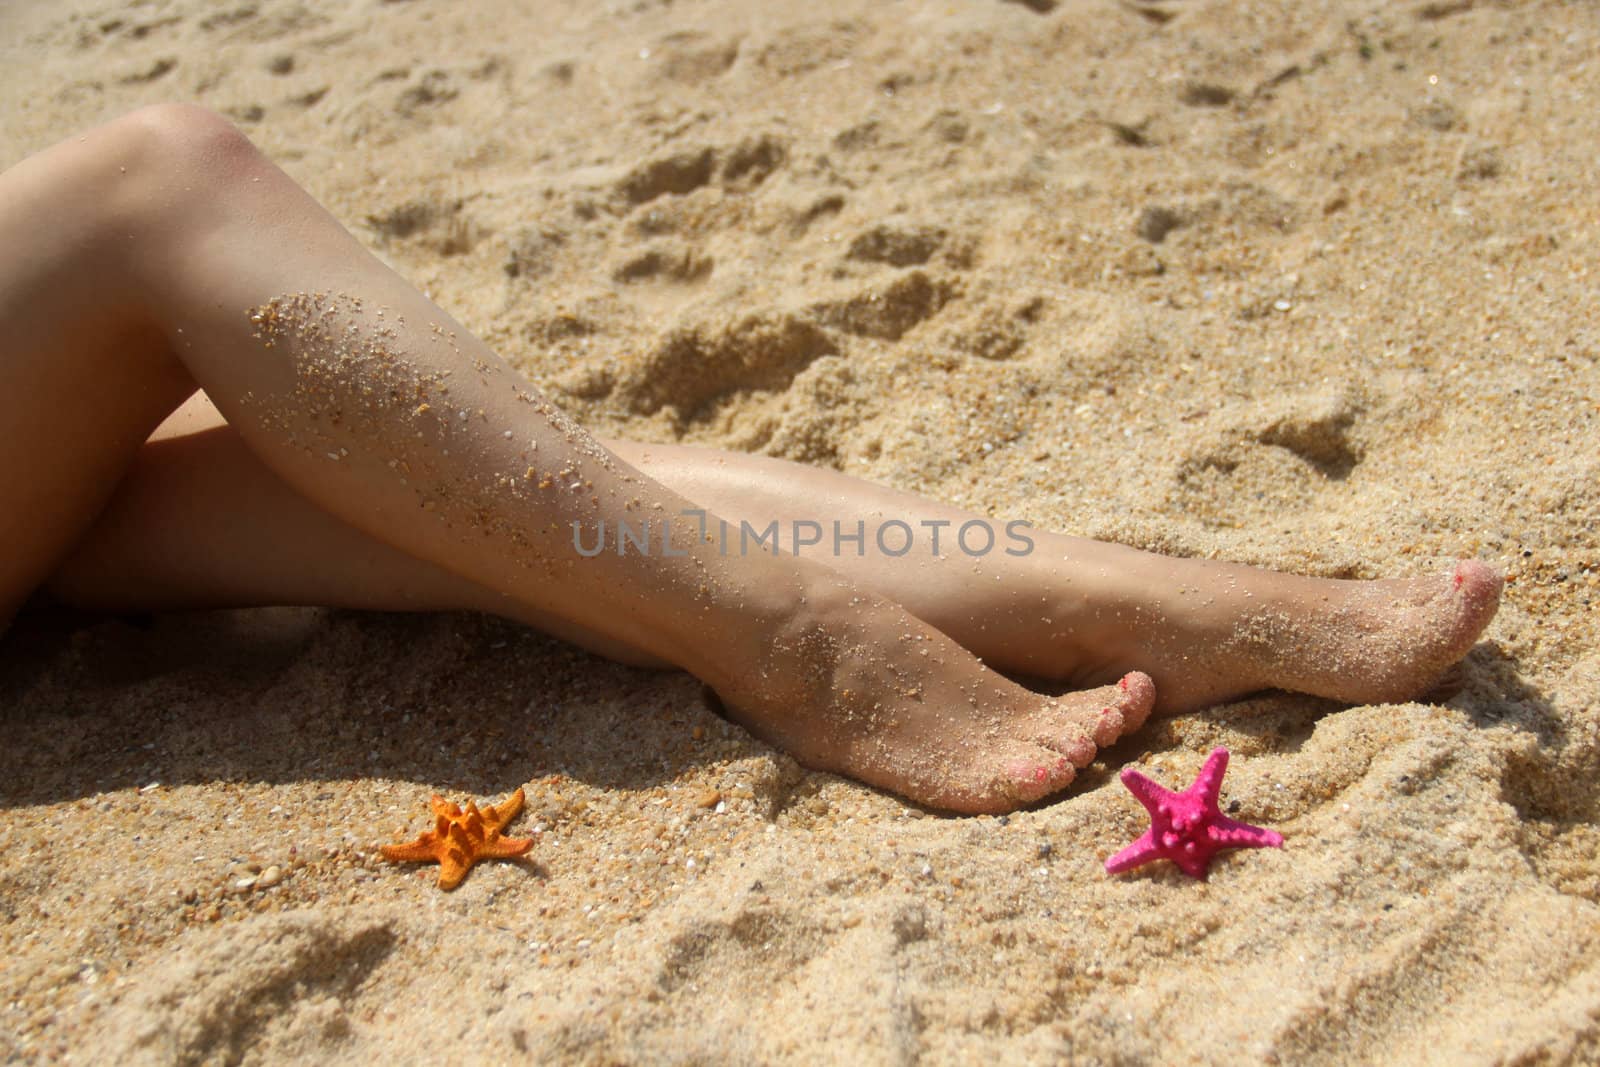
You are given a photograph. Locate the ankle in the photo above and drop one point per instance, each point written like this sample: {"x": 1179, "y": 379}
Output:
{"x": 742, "y": 612}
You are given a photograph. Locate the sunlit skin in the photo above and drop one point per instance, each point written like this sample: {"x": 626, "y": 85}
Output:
{"x": 224, "y": 400}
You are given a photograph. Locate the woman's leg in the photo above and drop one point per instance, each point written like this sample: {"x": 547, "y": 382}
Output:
{"x": 371, "y": 402}
{"x": 1069, "y": 609}
{"x": 199, "y": 522}
{"x": 1083, "y": 611}
{"x": 83, "y": 379}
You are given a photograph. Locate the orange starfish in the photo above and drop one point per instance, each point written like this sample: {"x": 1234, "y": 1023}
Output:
{"x": 461, "y": 838}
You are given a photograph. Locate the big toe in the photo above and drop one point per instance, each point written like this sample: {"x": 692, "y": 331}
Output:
{"x": 1477, "y": 587}
{"x": 1137, "y": 701}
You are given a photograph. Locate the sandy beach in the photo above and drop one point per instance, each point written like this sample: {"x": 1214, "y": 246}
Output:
{"x": 1309, "y": 286}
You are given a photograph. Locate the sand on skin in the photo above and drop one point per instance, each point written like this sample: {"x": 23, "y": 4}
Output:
{"x": 1302, "y": 285}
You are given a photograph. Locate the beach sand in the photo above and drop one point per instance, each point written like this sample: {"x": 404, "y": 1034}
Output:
{"x": 1303, "y": 285}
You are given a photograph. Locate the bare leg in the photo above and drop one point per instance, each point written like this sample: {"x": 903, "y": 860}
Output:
{"x": 1071, "y": 609}
{"x": 199, "y": 522}
{"x": 369, "y": 401}
{"x": 67, "y": 435}
{"x": 1084, "y": 611}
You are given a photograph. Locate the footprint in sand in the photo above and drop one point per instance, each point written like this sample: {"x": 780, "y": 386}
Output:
{"x": 439, "y": 225}
{"x": 1242, "y": 206}
{"x": 695, "y": 366}
{"x": 887, "y": 312}
{"x": 898, "y": 244}
{"x": 739, "y": 167}
{"x": 996, "y": 329}
{"x": 665, "y": 261}
{"x": 1282, "y": 455}
{"x": 691, "y": 58}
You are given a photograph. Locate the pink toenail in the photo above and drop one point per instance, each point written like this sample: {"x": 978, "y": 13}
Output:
{"x": 1041, "y": 775}
{"x": 1123, "y": 684}
{"x": 1104, "y": 712}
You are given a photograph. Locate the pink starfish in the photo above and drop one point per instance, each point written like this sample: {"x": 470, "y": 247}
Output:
{"x": 1187, "y": 828}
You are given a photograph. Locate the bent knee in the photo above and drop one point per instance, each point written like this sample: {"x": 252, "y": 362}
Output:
{"x": 186, "y": 141}
{"x": 138, "y": 173}
{"x": 156, "y": 161}
{"x": 137, "y": 185}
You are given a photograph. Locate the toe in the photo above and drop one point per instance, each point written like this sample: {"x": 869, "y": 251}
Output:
{"x": 1478, "y": 585}
{"x": 1108, "y": 726}
{"x": 1125, "y": 707}
{"x": 1076, "y": 726}
{"x": 1136, "y": 700}
{"x": 1014, "y": 775}
{"x": 1080, "y": 724}
{"x": 1033, "y": 772}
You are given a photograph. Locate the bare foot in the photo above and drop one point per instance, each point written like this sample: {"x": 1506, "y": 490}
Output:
{"x": 1210, "y": 632}
{"x": 852, "y": 683}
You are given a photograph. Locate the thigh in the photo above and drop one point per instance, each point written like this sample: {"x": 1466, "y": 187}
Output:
{"x": 83, "y": 379}
{"x": 69, "y": 432}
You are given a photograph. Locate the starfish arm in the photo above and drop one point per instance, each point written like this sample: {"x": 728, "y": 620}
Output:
{"x": 1196, "y": 865}
{"x": 504, "y": 848}
{"x": 1209, "y": 782}
{"x": 410, "y": 852}
{"x": 1228, "y": 833}
{"x": 452, "y": 868}
{"x": 441, "y": 830}
{"x": 1149, "y": 793}
{"x": 497, "y": 816}
{"x": 442, "y": 808}
{"x": 1140, "y": 852}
